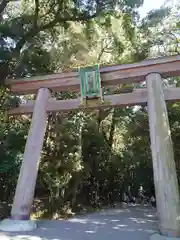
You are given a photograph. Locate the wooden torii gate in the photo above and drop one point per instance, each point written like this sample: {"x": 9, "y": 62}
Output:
{"x": 155, "y": 95}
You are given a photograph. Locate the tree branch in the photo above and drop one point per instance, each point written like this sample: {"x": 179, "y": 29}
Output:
{"x": 111, "y": 134}
{"x": 176, "y": 42}
{"x": 36, "y": 13}
{"x": 103, "y": 50}
{"x": 3, "y": 4}
{"x": 34, "y": 31}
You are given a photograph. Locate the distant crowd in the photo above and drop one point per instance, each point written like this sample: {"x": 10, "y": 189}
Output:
{"x": 142, "y": 198}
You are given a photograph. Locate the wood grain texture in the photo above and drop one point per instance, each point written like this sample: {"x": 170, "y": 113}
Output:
{"x": 137, "y": 97}
{"x": 27, "y": 178}
{"x": 165, "y": 178}
{"x": 119, "y": 74}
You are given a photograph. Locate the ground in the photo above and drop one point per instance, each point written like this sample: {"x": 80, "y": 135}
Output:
{"x": 135, "y": 223}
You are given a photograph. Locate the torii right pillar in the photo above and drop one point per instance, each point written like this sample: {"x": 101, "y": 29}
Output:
{"x": 165, "y": 177}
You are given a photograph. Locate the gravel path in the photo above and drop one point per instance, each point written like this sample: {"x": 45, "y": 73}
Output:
{"x": 117, "y": 224}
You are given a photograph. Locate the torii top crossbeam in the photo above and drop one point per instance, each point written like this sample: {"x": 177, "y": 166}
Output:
{"x": 127, "y": 73}
{"x": 111, "y": 75}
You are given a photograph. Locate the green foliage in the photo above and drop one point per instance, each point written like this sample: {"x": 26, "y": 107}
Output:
{"x": 88, "y": 157}
{"x": 12, "y": 140}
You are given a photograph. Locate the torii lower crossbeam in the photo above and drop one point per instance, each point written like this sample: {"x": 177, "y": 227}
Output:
{"x": 137, "y": 97}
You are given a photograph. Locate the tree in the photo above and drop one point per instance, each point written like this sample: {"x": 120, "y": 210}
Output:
{"x": 37, "y": 18}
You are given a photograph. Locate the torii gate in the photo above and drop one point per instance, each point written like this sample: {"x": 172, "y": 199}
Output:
{"x": 151, "y": 71}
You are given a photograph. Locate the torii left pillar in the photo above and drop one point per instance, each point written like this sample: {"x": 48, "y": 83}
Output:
{"x": 21, "y": 208}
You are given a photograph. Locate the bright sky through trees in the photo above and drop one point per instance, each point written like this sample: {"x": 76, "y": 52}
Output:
{"x": 150, "y": 5}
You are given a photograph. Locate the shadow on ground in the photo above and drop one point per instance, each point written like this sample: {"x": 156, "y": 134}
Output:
{"x": 117, "y": 224}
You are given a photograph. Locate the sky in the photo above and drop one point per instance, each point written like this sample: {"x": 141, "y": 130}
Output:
{"x": 150, "y": 5}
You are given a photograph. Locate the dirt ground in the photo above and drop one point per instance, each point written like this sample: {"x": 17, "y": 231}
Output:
{"x": 136, "y": 223}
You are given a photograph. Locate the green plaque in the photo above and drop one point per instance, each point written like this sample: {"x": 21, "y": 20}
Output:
{"x": 90, "y": 82}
